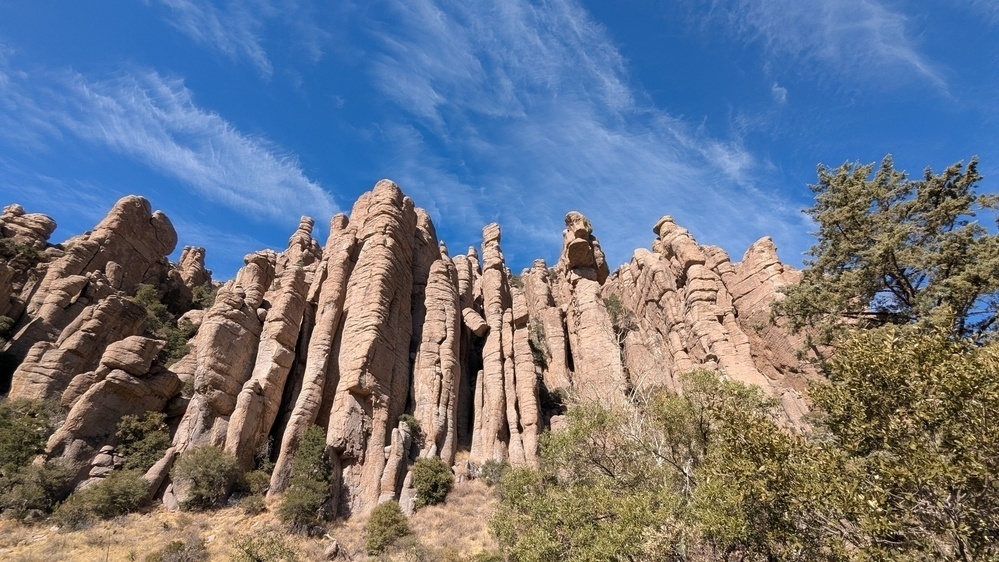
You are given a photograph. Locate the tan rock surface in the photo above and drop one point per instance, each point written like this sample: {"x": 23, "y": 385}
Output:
{"x": 192, "y": 267}
{"x": 92, "y": 421}
{"x": 258, "y": 402}
{"x": 226, "y": 346}
{"x": 437, "y": 371}
{"x": 50, "y": 366}
{"x": 321, "y": 369}
{"x": 30, "y": 229}
{"x": 374, "y": 379}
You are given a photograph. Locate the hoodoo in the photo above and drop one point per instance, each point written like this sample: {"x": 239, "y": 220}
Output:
{"x": 393, "y": 347}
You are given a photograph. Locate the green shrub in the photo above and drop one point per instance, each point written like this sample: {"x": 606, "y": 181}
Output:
{"x": 176, "y": 341}
{"x": 269, "y": 547}
{"x": 157, "y": 315}
{"x": 414, "y": 427}
{"x": 143, "y": 440}
{"x": 25, "y": 426}
{"x": 120, "y": 493}
{"x": 33, "y": 490}
{"x": 256, "y": 482}
{"x": 432, "y": 480}
{"x": 209, "y": 474}
{"x": 204, "y": 296}
{"x": 252, "y": 505}
{"x": 492, "y": 471}
{"x": 386, "y": 524}
{"x": 6, "y": 323}
{"x": 304, "y": 508}
{"x": 161, "y": 323}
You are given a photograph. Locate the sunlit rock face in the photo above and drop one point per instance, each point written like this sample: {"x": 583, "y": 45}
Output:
{"x": 373, "y": 333}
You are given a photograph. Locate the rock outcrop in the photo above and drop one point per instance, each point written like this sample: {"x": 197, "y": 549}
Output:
{"x": 684, "y": 316}
{"x": 30, "y": 229}
{"x": 125, "y": 249}
{"x": 392, "y": 347}
{"x": 125, "y": 383}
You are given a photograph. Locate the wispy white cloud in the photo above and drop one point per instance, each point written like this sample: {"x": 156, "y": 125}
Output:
{"x": 237, "y": 28}
{"x": 778, "y": 93}
{"x": 234, "y": 30}
{"x": 155, "y": 120}
{"x": 987, "y": 8}
{"x": 856, "y": 40}
{"x": 520, "y": 112}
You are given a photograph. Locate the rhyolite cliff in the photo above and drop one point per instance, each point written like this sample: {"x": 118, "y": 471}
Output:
{"x": 378, "y": 322}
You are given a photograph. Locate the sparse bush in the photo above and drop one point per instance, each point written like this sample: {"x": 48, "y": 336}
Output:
{"x": 191, "y": 549}
{"x": 516, "y": 281}
{"x": 414, "y": 428}
{"x": 204, "y": 296}
{"x": 304, "y": 508}
{"x": 209, "y": 473}
{"x": 27, "y": 490}
{"x": 157, "y": 315}
{"x": 120, "y": 493}
{"x": 492, "y": 471}
{"x": 6, "y": 323}
{"x": 539, "y": 347}
{"x": 21, "y": 256}
{"x": 386, "y": 524}
{"x": 25, "y": 426}
{"x": 161, "y": 323}
{"x": 269, "y": 547}
{"x": 32, "y": 490}
{"x": 252, "y": 505}
{"x": 432, "y": 480}
{"x": 256, "y": 482}
{"x": 142, "y": 441}
{"x": 177, "y": 347}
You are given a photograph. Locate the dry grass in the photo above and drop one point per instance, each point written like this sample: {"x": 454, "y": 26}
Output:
{"x": 455, "y": 530}
{"x": 135, "y": 537}
{"x": 461, "y": 522}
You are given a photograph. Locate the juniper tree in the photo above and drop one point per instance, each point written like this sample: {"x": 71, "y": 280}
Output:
{"x": 895, "y": 250}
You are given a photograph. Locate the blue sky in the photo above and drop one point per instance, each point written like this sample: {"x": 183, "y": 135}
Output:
{"x": 236, "y": 118}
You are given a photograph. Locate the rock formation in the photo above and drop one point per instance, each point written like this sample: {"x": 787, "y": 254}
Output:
{"x": 392, "y": 347}
{"x": 29, "y": 229}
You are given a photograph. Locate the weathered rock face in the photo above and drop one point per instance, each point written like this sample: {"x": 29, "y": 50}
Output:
{"x": 125, "y": 383}
{"x": 683, "y": 316}
{"x": 437, "y": 369}
{"x": 571, "y": 320}
{"x": 377, "y": 323}
{"x": 125, "y": 249}
{"x": 50, "y": 366}
{"x": 30, "y": 229}
{"x": 226, "y": 346}
{"x": 192, "y": 267}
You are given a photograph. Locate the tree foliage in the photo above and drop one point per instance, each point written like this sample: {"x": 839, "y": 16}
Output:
{"x": 209, "y": 475}
{"x": 386, "y": 524}
{"x": 900, "y": 466}
{"x": 432, "y": 480}
{"x": 897, "y": 250}
{"x": 305, "y": 507}
{"x": 161, "y": 323}
{"x": 914, "y": 416}
{"x": 123, "y": 491}
{"x": 143, "y": 440}
{"x": 25, "y": 425}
